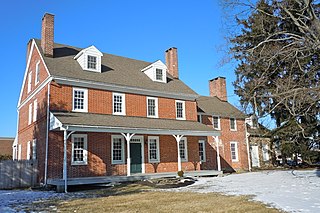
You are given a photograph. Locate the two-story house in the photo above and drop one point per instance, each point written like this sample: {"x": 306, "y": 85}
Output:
{"x": 85, "y": 113}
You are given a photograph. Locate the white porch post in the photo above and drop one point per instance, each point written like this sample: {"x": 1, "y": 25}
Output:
{"x": 128, "y": 137}
{"x": 178, "y": 138}
{"x": 65, "y": 174}
{"x": 216, "y": 138}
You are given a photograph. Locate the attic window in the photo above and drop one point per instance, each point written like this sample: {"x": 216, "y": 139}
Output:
{"x": 159, "y": 75}
{"x": 92, "y": 62}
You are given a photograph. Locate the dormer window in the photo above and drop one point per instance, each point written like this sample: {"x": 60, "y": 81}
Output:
{"x": 92, "y": 62}
{"x": 159, "y": 75}
{"x": 156, "y": 71}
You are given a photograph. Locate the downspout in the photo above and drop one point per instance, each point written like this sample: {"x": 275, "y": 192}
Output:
{"x": 248, "y": 149}
{"x": 47, "y": 137}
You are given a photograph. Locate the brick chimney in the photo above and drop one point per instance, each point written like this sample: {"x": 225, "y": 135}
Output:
{"x": 218, "y": 88}
{"x": 47, "y": 34}
{"x": 172, "y": 62}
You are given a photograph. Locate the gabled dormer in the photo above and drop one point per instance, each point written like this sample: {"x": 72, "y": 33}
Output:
{"x": 90, "y": 59}
{"x": 156, "y": 71}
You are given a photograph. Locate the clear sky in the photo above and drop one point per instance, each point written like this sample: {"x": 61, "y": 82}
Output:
{"x": 140, "y": 29}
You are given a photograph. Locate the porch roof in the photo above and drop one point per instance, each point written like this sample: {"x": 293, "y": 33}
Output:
{"x": 89, "y": 122}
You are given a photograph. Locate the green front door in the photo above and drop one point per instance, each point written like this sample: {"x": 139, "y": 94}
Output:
{"x": 136, "y": 157}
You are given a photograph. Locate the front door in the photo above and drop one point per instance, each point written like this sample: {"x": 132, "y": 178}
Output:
{"x": 255, "y": 156}
{"x": 136, "y": 158}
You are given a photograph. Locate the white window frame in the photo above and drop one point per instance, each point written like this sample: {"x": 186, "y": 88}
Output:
{"x": 235, "y": 124}
{"x": 236, "y": 151}
{"x": 183, "y": 109}
{"x": 203, "y": 142}
{"x": 34, "y": 149}
{"x": 29, "y": 81}
{"x": 156, "y": 107}
{"x": 219, "y": 127}
{"x": 123, "y": 104}
{"x": 30, "y": 114}
{"x": 87, "y": 62}
{"x": 85, "y": 100}
{"x": 35, "y": 110}
{"x": 158, "y": 149}
{"x": 28, "y": 150}
{"x": 185, "y": 149}
{"x": 122, "y": 161}
{"x": 85, "y": 149}
{"x": 19, "y": 151}
{"x": 155, "y": 74}
{"x": 37, "y": 74}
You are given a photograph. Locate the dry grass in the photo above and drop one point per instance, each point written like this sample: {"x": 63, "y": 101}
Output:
{"x": 137, "y": 198}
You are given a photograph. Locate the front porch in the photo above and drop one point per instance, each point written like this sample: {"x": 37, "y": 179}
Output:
{"x": 59, "y": 183}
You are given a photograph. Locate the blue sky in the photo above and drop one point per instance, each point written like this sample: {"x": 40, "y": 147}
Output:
{"x": 140, "y": 29}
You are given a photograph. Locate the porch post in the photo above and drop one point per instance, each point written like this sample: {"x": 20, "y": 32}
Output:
{"x": 65, "y": 174}
{"x": 178, "y": 138}
{"x": 216, "y": 138}
{"x": 128, "y": 137}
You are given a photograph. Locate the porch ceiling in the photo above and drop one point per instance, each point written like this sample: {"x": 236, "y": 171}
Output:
{"x": 88, "y": 122}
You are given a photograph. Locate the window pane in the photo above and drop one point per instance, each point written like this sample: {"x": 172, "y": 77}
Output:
{"x": 117, "y": 103}
{"x": 182, "y": 149}
{"x": 159, "y": 75}
{"x": 92, "y": 62}
{"x": 179, "y": 109}
{"x": 78, "y": 101}
{"x": 153, "y": 154}
{"x": 215, "y": 122}
{"x": 232, "y": 123}
{"x": 201, "y": 151}
{"x": 151, "y": 107}
{"x": 117, "y": 149}
{"x": 78, "y": 149}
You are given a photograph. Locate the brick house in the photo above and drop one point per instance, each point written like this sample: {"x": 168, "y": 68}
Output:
{"x": 6, "y": 146}
{"x": 84, "y": 113}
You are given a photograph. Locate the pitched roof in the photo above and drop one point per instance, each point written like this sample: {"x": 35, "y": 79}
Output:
{"x": 138, "y": 123}
{"x": 214, "y": 106}
{"x": 115, "y": 70}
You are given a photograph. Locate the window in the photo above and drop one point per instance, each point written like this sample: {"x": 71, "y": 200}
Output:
{"x": 80, "y": 100}
{"x": 119, "y": 104}
{"x": 79, "y": 149}
{"x": 199, "y": 118}
{"x": 28, "y": 151}
{"x": 183, "y": 149}
{"x": 92, "y": 62}
{"x": 152, "y": 109}
{"x": 265, "y": 152}
{"x": 153, "y": 147}
{"x": 29, "y": 81}
{"x": 180, "y": 112}
{"x": 34, "y": 149}
{"x": 159, "y": 75}
{"x": 117, "y": 149}
{"x": 30, "y": 114}
{"x": 233, "y": 124}
{"x": 202, "y": 150}
{"x": 37, "y": 77}
{"x": 234, "y": 151}
{"x": 216, "y": 122}
{"x": 19, "y": 151}
{"x": 35, "y": 110}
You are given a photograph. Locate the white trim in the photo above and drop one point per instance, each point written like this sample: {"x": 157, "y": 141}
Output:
{"x": 122, "y": 149}
{"x": 37, "y": 73}
{"x": 184, "y": 139}
{"x": 30, "y": 114}
{"x": 19, "y": 151}
{"x": 29, "y": 87}
{"x": 158, "y": 149}
{"x": 141, "y": 138}
{"x": 28, "y": 150}
{"x": 203, "y": 142}
{"x": 236, "y": 151}
{"x": 156, "y": 107}
{"x": 183, "y": 110}
{"x": 219, "y": 126}
{"x": 35, "y": 110}
{"x": 34, "y": 149}
{"x": 123, "y": 104}
{"x": 85, "y": 99}
{"x": 235, "y": 124}
{"x": 85, "y": 149}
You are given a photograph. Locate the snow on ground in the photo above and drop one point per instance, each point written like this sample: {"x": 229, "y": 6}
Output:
{"x": 292, "y": 191}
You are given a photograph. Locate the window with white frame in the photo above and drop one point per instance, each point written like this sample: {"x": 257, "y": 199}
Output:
{"x": 216, "y": 122}
{"x": 29, "y": 81}
{"x": 79, "y": 149}
{"x": 34, "y": 149}
{"x": 265, "y": 152}
{"x": 202, "y": 150}
{"x": 117, "y": 149}
{"x": 35, "y": 110}
{"x": 199, "y": 118}
{"x": 30, "y": 114}
{"x": 180, "y": 110}
{"x": 233, "y": 124}
{"x": 152, "y": 107}
{"x": 119, "y": 104}
{"x": 183, "y": 149}
{"x": 28, "y": 150}
{"x": 19, "y": 151}
{"x": 80, "y": 100}
{"x": 234, "y": 151}
{"x": 92, "y": 62}
{"x": 37, "y": 75}
{"x": 153, "y": 147}
{"x": 159, "y": 74}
